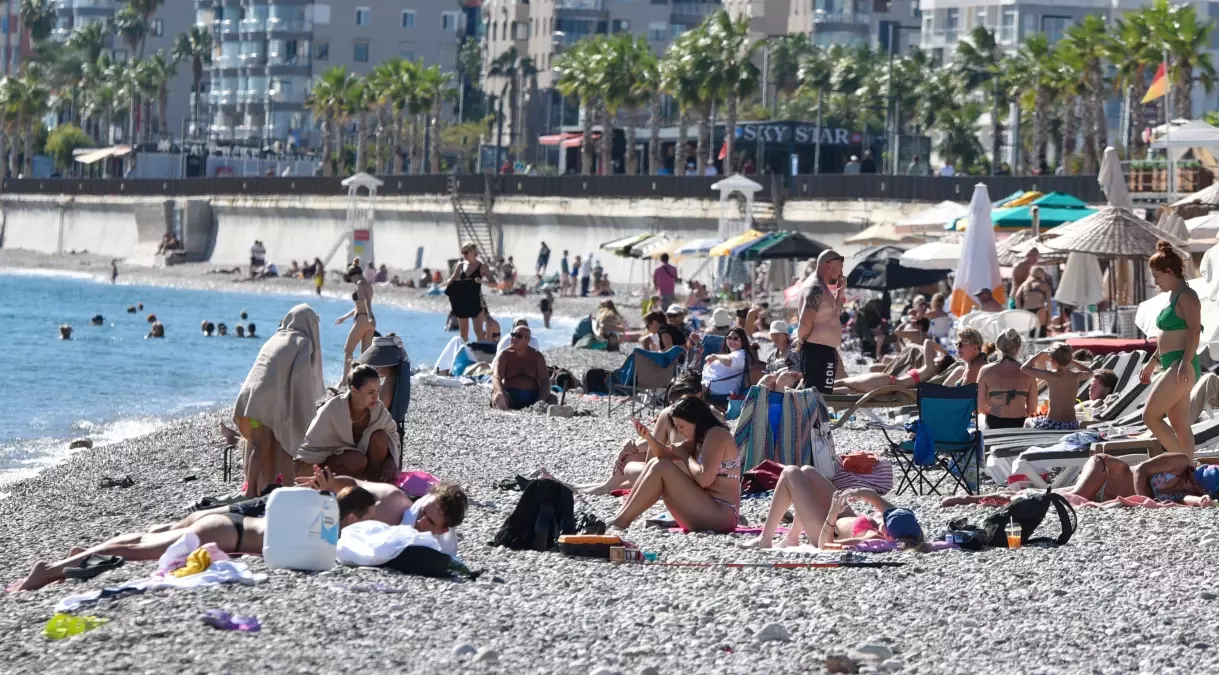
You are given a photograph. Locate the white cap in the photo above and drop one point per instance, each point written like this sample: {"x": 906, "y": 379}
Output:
{"x": 721, "y": 318}
{"x": 675, "y": 309}
{"x": 780, "y": 327}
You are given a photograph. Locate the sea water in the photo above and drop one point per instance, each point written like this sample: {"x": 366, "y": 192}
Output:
{"x": 111, "y": 384}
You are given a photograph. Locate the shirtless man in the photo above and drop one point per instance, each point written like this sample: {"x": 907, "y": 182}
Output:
{"x": 1020, "y": 273}
{"x": 819, "y": 333}
{"x": 1063, "y": 382}
{"x": 232, "y": 533}
{"x": 986, "y": 301}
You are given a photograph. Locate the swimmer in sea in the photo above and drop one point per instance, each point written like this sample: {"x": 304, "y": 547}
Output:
{"x": 208, "y": 328}
{"x": 222, "y": 329}
{"x": 97, "y": 320}
{"x": 240, "y": 331}
{"x": 151, "y": 318}
{"x": 114, "y": 271}
{"x": 65, "y": 332}
{"x": 249, "y": 331}
{"x": 158, "y": 331}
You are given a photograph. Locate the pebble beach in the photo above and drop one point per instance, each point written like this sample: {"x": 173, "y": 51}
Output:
{"x": 1135, "y": 591}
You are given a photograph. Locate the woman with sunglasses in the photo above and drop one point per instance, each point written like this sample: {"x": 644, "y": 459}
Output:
{"x": 464, "y": 289}
{"x": 725, "y": 373}
{"x": 935, "y": 361}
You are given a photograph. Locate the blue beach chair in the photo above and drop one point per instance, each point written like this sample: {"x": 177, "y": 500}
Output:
{"x": 946, "y": 439}
{"x": 643, "y": 372}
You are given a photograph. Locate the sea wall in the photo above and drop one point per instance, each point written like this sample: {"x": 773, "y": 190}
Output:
{"x": 408, "y": 232}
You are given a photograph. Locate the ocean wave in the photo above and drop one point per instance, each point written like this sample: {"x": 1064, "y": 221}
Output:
{"x": 36, "y": 272}
{"x": 23, "y": 458}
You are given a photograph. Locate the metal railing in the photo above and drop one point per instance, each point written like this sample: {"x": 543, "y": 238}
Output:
{"x": 696, "y": 8}
{"x": 835, "y": 187}
{"x": 850, "y": 18}
{"x": 585, "y": 5}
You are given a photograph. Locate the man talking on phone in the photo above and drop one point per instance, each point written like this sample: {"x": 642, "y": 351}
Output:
{"x": 819, "y": 332}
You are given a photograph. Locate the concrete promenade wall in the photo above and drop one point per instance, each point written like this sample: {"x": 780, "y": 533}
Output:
{"x": 301, "y": 228}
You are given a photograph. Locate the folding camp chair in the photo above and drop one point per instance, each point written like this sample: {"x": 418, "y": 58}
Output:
{"x": 643, "y": 373}
{"x": 712, "y": 344}
{"x": 231, "y": 438}
{"x": 949, "y": 418}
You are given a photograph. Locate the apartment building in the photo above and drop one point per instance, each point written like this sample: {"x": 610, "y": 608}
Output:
{"x": 268, "y": 52}
{"x": 873, "y": 23}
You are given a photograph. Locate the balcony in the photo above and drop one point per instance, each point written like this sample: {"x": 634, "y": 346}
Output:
{"x": 842, "y": 18}
{"x": 86, "y": 4}
{"x": 280, "y": 25}
{"x": 696, "y": 8}
{"x": 252, "y": 25}
{"x": 944, "y": 37}
{"x": 582, "y": 5}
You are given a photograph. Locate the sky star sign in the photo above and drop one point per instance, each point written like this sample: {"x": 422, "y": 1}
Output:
{"x": 799, "y": 134}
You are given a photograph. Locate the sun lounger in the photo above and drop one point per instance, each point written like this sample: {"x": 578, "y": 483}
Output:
{"x": 884, "y": 397}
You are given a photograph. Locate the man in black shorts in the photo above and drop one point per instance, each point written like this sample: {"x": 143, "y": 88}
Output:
{"x": 819, "y": 333}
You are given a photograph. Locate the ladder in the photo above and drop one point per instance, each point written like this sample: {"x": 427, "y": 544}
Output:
{"x": 472, "y": 216}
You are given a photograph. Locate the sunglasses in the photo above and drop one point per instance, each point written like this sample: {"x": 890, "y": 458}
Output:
{"x": 518, "y": 336}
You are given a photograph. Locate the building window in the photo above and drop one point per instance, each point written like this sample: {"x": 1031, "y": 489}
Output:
{"x": 157, "y": 28}
{"x": 408, "y": 18}
{"x": 952, "y": 22}
{"x": 658, "y": 31}
{"x": 677, "y": 29}
{"x": 1007, "y": 27}
{"x": 450, "y": 21}
{"x": 321, "y": 51}
{"x": 980, "y": 17}
{"x": 360, "y": 52}
{"x": 1054, "y": 27}
{"x": 407, "y": 54}
{"x": 321, "y": 13}
{"x": 363, "y": 16}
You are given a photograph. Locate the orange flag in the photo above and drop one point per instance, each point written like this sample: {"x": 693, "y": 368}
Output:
{"x": 1159, "y": 86}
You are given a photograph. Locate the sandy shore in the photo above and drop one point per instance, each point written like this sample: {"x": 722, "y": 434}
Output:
{"x": 1134, "y": 591}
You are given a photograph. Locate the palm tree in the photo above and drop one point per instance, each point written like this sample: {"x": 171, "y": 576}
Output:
{"x": 1178, "y": 31}
{"x": 395, "y": 81}
{"x": 981, "y": 64}
{"x": 735, "y": 76}
{"x": 433, "y": 90}
{"x": 515, "y": 70}
{"x": 360, "y": 102}
{"x": 1031, "y": 78}
{"x": 161, "y": 71}
{"x": 1133, "y": 53}
{"x": 89, "y": 41}
{"x": 1069, "y": 87}
{"x": 1084, "y": 49}
{"x": 329, "y": 101}
{"x": 816, "y": 77}
{"x": 628, "y": 87}
{"x": 195, "y": 47}
{"x": 579, "y": 77}
{"x": 786, "y": 55}
{"x": 677, "y": 80}
{"x": 132, "y": 28}
{"x": 146, "y": 9}
{"x": 32, "y": 101}
{"x": 38, "y": 17}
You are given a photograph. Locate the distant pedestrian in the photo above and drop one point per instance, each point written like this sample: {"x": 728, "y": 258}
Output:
{"x": 665, "y": 278}
{"x": 868, "y": 165}
{"x": 564, "y": 275}
{"x": 543, "y": 260}
{"x": 114, "y": 271}
{"x": 852, "y": 167}
{"x": 586, "y": 275}
{"x": 546, "y": 305}
{"x": 575, "y": 274}
{"x": 916, "y": 167}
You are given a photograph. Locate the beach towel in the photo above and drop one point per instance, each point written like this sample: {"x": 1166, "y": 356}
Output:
{"x": 792, "y": 444}
{"x": 370, "y": 543}
{"x": 1119, "y": 502}
{"x": 330, "y": 432}
{"x": 880, "y": 478}
{"x": 282, "y": 388}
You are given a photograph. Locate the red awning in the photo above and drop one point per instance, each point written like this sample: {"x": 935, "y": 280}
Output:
{"x": 555, "y": 139}
{"x": 578, "y": 140}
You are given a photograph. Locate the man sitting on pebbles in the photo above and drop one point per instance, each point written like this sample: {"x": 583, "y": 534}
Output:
{"x": 519, "y": 377}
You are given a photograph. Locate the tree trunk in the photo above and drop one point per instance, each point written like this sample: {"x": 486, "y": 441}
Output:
{"x": 1088, "y": 122}
{"x": 29, "y": 152}
{"x": 361, "y": 143}
{"x": 163, "y": 115}
{"x": 729, "y": 133}
{"x": 1134, "y": 122}
{"x": 1182, "y": 95}
{"x": 607, "y": 141}
{"x": 327, "y": 167}
{"x": 586, "y": 141}
{"x": 3, "y": 138}
{"x": 704, "y": 141}
{"x": 413, "y": 130}
{"x": 996, "y": 129}
{"x": 682, "y": 152}
{"x": 198, "y": 80}
{"x": 396, "y": 145}
{"x": 434, "y": 154}
{"x": 632, "y": 160}
{"x": 1041, "y": 126}
{"x": 1100, "y": 133}
{"x": 655, "y": 162}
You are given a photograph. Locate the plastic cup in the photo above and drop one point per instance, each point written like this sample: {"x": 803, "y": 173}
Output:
{"x": 1013, "y": 535}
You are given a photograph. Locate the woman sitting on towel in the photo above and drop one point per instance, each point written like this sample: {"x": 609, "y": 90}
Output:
{"x": 354, "y": 434}
{"x": 698, "y": 480}
{"x": 1062, "y": 373}
{"x": 935, "y": 361}
{"x": 824, "y": 515}
{"x": 635, "y": 453}
{"x": 278, "y": 399}
{"x": 1007, "y": 396}
{"x": 232, "y": 533}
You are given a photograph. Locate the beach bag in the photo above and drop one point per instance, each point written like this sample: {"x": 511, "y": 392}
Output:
{"x": 546, "y": 511}
{"x": 562, "y": 378}
{"x": 596, "y": 381}
{"x": 859, "y": 462}
{"x": 1029, "y": 512}
{"x": 822, "y": 455}
{"x": 762, "y": 478}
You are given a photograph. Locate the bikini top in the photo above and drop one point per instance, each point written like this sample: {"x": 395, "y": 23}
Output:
{"x": 1009, "y": 394}
{"x": 1168, "y": 320}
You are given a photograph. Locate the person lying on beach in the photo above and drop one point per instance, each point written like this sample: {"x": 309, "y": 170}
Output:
{"x": 353, "y": 434}
{"x": 519, "y": 377}
{"x": 232, "y": 533}
{"x": 935, "y": 361}
{"x": 823, "y": 514}
{"x": 698, "y": 480}
{"x": 1062, "y": 374}
{"x": 635, "y": 453}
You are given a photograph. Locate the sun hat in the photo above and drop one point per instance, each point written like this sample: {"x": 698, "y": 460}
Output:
{"x": 780, "y": 327}
{"x": 385, "y": 351}
{"x": 721, "y": 318}
{"x": 675, "y": 310}
{"x": 901, "y": 523}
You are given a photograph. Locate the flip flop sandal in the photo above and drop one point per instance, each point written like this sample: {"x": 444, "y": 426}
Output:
{"x": 220, "y": 619}
{"x": 94, "y": 565}
{"x": 108, "y": 482}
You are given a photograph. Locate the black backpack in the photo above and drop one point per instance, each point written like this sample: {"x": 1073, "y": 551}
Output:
{"x": 1028, "y": 512}
{"x": 596, "y": 381}
{"x": 545, "y": 511}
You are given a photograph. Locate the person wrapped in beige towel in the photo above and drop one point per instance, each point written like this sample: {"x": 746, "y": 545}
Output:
{"x": 354, "y": 434}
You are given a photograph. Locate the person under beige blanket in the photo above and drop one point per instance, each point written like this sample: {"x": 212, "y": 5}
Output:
{"x": 354, "y": 434}
{"x": 279, "y": 398}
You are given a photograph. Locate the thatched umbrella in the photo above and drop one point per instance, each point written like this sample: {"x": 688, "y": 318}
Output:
{"x": 1112, "y": 233}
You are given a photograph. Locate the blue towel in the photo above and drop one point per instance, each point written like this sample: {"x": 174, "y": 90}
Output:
{"x": 924, "y": 445}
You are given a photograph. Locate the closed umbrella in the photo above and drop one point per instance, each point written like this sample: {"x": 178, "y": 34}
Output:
{"x": 1082, "y": 283}
{"x": 881, "y": 269}
{"x": 1112, "y": 182}
{"x": 978, "y": 266}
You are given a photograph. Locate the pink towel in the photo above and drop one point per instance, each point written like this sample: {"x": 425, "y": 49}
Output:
{"x": 738, "y": 530}
{"x": 415, "y": 483}
{"x": 1119, "y": 502}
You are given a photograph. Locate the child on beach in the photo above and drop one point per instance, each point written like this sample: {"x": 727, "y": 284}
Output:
{"x": 547, "y": 306}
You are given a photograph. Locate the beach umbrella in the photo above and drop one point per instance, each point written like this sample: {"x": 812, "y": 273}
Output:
{"x": 942, "y": 254}
{"x": 1082, "y": 283}
{"x": 787, "y": 246}
{"x": 979, "y": 260}
{"x": 1053, "y": 210}
{"x": 880, "y": 269}
{"x": 1113, "y": 232}
{"x": 1112, "y": 182}
{"x": 881, "y": 234}
{"x": 671, "y": 247}
{"x": 623, "y": 246}
{"x": 1173, "y": 226}
{"x": 1203, "y": 232}
{"x": 725, "y": 248}
{"x": 699, "y": 246}
{"x": 932, "y": 219}
{"x": 1204, "y": 197}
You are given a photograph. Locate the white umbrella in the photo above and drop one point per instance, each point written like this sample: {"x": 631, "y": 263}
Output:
{"x": 979, "y": 263}
{"x": 699, "y": 246}
{"x": 934, "y": 218}
{"x": 1082, "y": 283}
{"x": 942, "y": 254}
{"x": 1112, "y": 182}
{"x": 1172, "y": 224}
{"x": 1203, "y": 232}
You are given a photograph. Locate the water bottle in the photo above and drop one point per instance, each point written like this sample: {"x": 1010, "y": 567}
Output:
{"x": 302, "y": 530}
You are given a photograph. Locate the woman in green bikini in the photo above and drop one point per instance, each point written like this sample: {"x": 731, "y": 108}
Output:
{"x": 1180, "y": 327}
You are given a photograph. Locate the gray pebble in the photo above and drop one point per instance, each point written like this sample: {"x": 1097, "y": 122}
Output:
{"x": 648, "y": 670}
{"x": 774, "y": 632}
{"x": 870, "y": 650}
{"x": 463, "y": 649}
{"x": 486, "y": 655}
